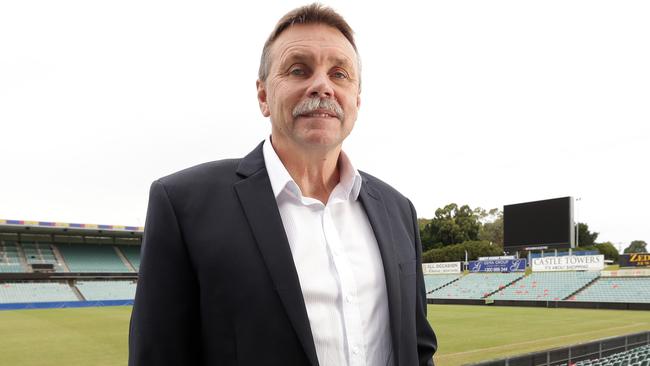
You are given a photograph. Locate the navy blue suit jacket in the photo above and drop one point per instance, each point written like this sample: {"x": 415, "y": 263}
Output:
{"x": 217, "y": 282}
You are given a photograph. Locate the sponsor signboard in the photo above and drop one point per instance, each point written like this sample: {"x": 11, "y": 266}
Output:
{"x": 543, "y": 247}
{"x": 634, "y": 260}
{"x": 563, "y": 254}
{"x": 496, "y": 258}
{"x": 628, "y": 272}
{"x": 442, "y": 267}
{"x": 498, "y": 265}
{"x": 569, "y": 263}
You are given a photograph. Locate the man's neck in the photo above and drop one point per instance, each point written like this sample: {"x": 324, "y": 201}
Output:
{"x": 315, "y": 171}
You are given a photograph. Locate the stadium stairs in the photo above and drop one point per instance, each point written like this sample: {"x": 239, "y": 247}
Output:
{"x": 626, "y": 290}
{"x": 581, "y": 288}
{"x": 76, "y": 291}
{"x": 473, "y": 286}
{"x": 504, "y": 287}
{"x": 125, "y": 260}
{"x": 444, "y": 285}
{"x": 93, "y": 258}
{"x": 447, "y": 284}
{"x": 22, "y": 257}
{"x": 59, "y": 258}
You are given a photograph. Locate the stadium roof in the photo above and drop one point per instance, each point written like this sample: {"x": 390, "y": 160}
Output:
{"x": 46, "y": 227}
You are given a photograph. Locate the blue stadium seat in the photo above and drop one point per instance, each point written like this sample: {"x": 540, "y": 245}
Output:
{"x": 92, "y": 258}
{"x": 475, "y": 285}
{"x": 616, "y": 289}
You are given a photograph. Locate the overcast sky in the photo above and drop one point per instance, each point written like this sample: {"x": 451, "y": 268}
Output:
{"x": 483, "y": 103}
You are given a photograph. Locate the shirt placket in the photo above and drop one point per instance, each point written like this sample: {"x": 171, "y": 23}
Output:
{"x": 350, "y": 306}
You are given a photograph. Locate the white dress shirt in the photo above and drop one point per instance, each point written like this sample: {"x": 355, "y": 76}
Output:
{"x": 339, "y": 267}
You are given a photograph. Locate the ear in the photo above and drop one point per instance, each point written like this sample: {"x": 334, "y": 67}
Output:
{"x": 261, "y": 98}
{"x": 358, "y": 100}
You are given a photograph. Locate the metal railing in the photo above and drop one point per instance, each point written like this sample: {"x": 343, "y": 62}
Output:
{"x": 574, "y": 353}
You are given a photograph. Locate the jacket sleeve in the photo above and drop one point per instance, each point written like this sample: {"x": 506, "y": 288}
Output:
{"x": 426, "y": 338}
{"x": 164, "y": 326}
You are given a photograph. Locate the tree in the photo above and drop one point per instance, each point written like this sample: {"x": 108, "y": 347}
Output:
{"x": 637, "y": 246}
{"x": 585, "y": 237}
{"x": 422, "y": 223}
{"x": 487, "y": 216}
{"x": 425, "y": 235}
{"x": 608, "y": 250}
{"x": 492, "y": 231}
{"x": 451, "y": 225}
{"x": 456, "y": 252}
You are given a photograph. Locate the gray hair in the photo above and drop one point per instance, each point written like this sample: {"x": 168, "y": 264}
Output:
{"x": 308, "y": 14}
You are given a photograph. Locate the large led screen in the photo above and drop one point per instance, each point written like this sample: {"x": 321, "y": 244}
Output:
{"x": 539, "y": 223}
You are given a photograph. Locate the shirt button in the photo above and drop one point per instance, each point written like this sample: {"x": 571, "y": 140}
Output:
{"x": 355, "y": 351}
{"x": 348, "y": 299}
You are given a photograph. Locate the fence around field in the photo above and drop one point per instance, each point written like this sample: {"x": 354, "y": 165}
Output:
{"x": 64, "y": 304}
{"x": 544, "y": 304}
{"x": 572, "y": 354}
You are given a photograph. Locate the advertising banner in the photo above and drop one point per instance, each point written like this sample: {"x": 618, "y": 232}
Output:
{"x": 439, "y": 268}
{"x": 634, "y": 260}
{"x": 497, "y": 257}
{"x": 569, "y": 263}
{"x": 498, "y": 265}
{"x": 628, "y": 272}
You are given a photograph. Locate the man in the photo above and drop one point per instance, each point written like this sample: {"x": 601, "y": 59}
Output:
{"x": 289, "y": 256}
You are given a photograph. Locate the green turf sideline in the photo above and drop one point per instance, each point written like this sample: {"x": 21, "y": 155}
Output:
{"x": 466, "y": 334}
{"x": 75, "y": 336}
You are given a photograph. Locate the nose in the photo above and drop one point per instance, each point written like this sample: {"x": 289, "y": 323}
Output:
{"x": 320, "y": 86}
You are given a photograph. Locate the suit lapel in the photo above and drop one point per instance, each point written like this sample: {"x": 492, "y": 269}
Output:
{"x": 380, "y": 222}
{"x": 261, "y": 210}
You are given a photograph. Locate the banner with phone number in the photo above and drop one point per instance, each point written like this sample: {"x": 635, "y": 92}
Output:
{"x": 498, "y": 265}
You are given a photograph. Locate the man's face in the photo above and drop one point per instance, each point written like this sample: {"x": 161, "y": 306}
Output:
{"x": 309, "y": 62}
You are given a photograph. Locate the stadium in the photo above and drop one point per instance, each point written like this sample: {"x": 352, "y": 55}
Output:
{"x": 476, "y": 102}
{"x": 69, "y": 288}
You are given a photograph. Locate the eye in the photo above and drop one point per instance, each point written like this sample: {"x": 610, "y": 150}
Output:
{"x": 297, "y": 71}
{"x": 339, "y": 74}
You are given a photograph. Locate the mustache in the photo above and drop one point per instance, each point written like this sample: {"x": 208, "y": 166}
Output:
{"x": 314, "y": 104}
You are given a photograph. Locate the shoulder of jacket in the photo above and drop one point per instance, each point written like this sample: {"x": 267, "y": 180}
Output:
{"x": 214, "y": 172}
{"x": 383, "y": 187}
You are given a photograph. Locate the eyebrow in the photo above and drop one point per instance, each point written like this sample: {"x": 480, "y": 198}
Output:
{"x": 303, "y": 57}
{"x": 343, "y": 61}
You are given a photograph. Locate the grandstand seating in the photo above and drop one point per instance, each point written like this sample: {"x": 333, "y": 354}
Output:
{"x": 107, "y": 290}
{"x": 639, "y": 356}
{"x": 132, "y": 253}
{"x": 39, "y": 253}
{"x": 17, "y": 292}
{"x": 9, "y": 257}
{"x": 546, "y": 286}
{"x": 616, "y": 289}
{"x": 108, "y": 258}
{"x": 92, "y": 258}
{"x": 78, "y": 257}
{"x": 436, "y": 281}
{"x": 475, "y": 285}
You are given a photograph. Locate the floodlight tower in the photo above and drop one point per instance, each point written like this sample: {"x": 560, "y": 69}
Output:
{"x": 575, "y": 215}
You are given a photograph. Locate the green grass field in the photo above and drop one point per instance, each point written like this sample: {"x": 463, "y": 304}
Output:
{"x": 98, "y": 336}
{"x": 475, "y": 333}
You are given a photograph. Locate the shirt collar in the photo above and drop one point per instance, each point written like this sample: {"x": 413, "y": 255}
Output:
{"x": 349, "y": 184}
